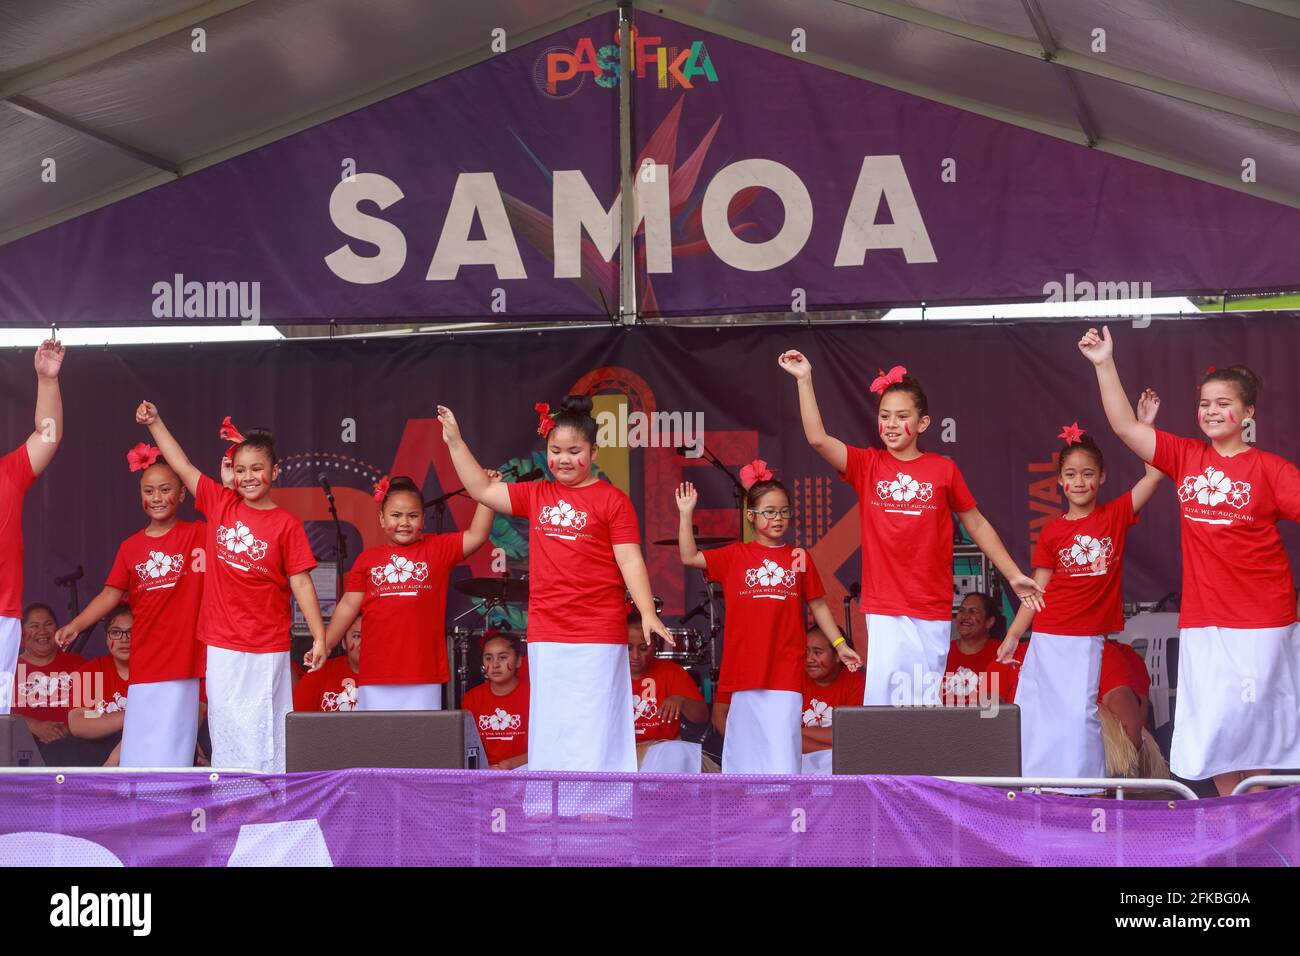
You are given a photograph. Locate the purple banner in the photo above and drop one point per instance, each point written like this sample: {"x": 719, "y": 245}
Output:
{"x": 493, "y": 818}
{"x": 764, "y": 184}
{"x": 998, "y": 394}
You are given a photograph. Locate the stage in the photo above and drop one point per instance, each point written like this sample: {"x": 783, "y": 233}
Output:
{"x": 495, "y": 818}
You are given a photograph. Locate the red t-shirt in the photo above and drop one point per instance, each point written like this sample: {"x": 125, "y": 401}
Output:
{"x": 819, "y": 702}
{"x": 1086, "y": 557}
{"x": 405, "y": 608}
{"x": 502, "y": 721}
{"x": 575, "y": 589}
{"x": 661, "y": 680}
{"x": 763, "y": 638}
{"x": 964, "y": 673}
{"x": 252, "y": 553}
{"x": 1121, "y": 666}
{"x": 104, "y": 690}
{"x": 333, "y": 687}
{"x": 905, "y": 509}
{"x": 164, "y": 591}
{"x": 47, "y": 692}
{"x": 1235, "y": 570}
{"x": 16, "y": 476}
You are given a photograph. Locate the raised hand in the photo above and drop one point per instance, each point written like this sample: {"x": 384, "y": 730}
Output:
{"x": 49, "y": 358}
{"x": 1148, "y": 406}
{"x": 1097, "y": 348}
{"x": 450, "y": 430}
{"x": 687, "y": 497}
{"x": 796, "y": 363}
{"x": 146, "y": 413}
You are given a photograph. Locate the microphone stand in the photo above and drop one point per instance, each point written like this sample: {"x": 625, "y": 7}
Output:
{"x": 737, "y": 489}
{"x": 340, "y": 549}
{"x": 854, "y": 591}
{"x": 439, "y": 506}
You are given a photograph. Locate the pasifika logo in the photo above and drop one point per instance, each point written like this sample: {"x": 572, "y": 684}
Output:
{"x": 561, "y": 72}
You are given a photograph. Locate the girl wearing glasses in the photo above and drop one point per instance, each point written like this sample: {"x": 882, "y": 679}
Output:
{"x": 906, "y": 498}
{"x": 766, "y": 583}
{"x": 159, "y": 572}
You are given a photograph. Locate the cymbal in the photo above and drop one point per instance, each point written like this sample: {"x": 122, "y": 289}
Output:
{"x": 505, "y": 590}
{"x": 699, "y": 539}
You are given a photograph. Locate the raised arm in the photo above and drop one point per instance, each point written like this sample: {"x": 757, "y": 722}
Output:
{"x": 48, "y": 433}
{"x": 687, "y": 496}
{"x": 1139, "y": 436}
{"x": 988, "y": 541}
{"x": 147, "y": 414}
{"x": 829, "y": 447}
{"x": 476, "y": 481}
{"x": 1148, "y": 406}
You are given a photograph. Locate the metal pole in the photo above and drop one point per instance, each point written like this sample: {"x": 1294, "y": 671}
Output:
{"x": 627, "y": 310}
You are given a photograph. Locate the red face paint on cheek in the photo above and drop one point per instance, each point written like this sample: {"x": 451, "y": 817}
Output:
{"x": 1231, "y": 417}
{"x": 906, "y": 430}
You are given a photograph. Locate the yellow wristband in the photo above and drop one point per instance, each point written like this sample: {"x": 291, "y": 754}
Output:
{"x": 836, "y": 643}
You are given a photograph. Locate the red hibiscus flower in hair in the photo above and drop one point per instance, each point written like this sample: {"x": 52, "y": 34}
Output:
{"x": 381, "y": 488}
{"x": 545, "y": 418}
{"x": 142, "y": 456}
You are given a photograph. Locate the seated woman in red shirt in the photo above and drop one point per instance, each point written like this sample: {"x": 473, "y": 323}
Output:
{"x": 973, "y": 677}
{"x": 663, "y": 694}
{"x": 102, "y": 686}
{"x": 500, "y": 703}
{"x": 827, "y": 684}
{"x": 45, "y": 679}
{"x": 333, "y": 688}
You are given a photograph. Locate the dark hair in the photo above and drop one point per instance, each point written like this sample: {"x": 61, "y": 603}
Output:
{"x": 510, "y": 637}
{"x": 992, "y": 610}
{"x": 402, "y": 483}
{"x": 160, "y": 460}
{"x": 258, "y": 438}
{"x": 1084, "y": 444}
{"x": 575, "y": 413}
{"x": 912, "y": 387}
{"x": 755, "y": 492}
{"x": 114, "y": 614}
{"x": 1247, "y": 382}
{"x": 27, "y": 612}
{"x": 816, "y": 629}
{"x": 634, "y": 618}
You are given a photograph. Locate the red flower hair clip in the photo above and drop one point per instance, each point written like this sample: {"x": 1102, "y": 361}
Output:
{"x": 1209, "y": 370}
{"x": 142, "y": 456}
{"x": 755, "y": 472}
{"x": 1072, "y": 434}
{"x": 886, "y": 379}
{"x": 231, "y": 434}
{"x": 545, "y": 418}
{"x": 381, "y": 488}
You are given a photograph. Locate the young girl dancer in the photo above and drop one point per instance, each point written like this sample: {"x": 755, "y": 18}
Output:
{"x": 257, "y": 554}
{"x": 18, "y": 470}
{"x": 1239, "y": 647}
{"x": 400, "y": 589}
{"x": 158, "y": 571}
{"x": 766, "y": 583}
{"x": 1079, "y": 561}
{"x": 905, "y": 496}
{"x": 585, "y": 547}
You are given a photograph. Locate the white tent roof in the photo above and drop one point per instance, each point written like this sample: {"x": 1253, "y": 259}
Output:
{"x": 115, "y": 93}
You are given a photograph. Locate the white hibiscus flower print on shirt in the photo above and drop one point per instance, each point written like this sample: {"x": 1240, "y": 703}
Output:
{"x": 241, "y": 540}
{"x": 160, "y": 565}
{"x": 563, "y": 515}
{"x": 644, "y": 707}
{"x": 818, "y": 714}
{"x": 769, "y": 574}
{"x": 500, "y": 720}
{"x": 963, "y": 682}
{"x": 399, "y": 570}
{"x": 904, "y": 488}
{"x": 1087, "y": 552}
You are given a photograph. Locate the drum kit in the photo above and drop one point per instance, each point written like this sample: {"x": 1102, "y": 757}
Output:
{"x": 692, "y": 647}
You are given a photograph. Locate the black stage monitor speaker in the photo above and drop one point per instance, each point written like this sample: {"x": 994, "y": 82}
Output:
{"x": 420, "y": 739}
{"x": 17, "y": 746}
{"x": 927, "y": 741}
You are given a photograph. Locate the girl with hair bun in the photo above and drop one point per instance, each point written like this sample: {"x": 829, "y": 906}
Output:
{"x": 1078, "y": 559}
{"x": 257, "y": 556}
{"x": 766, "y": 583}
{"x": 1239, "y": 646}
{"x": 906, "y": 498}
{"x": 400, "y": 590}
{"x": 584, "y": 549}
